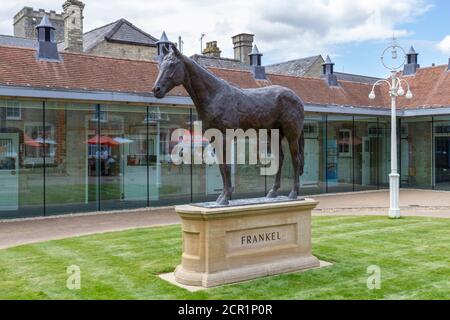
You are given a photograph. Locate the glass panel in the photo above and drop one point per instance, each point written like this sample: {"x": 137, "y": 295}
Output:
{"x": 169, "y": 183}
{"x": 123, "y": 156}
{"x": 366, "y": 144}
{"x": 384, "y": 152}
{"x": 441, "y": 128}
{"x": 206, "y": 178}
{"x": 71, "y": 169}
{"x": 22, "y": 160}
{"x": 416, "y": 152}
{"x": 247, "y": 179}
{"x": 313, "y": 179}
{"x": 340, "y": 150}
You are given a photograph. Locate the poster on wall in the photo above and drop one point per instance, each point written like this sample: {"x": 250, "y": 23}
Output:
{"x": 332, "y": 162}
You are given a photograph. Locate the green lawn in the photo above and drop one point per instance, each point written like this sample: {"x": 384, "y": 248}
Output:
{"x": 413, "y": 254}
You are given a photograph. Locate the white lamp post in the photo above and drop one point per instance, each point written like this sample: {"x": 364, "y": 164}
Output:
{"x": 395, "y": 90}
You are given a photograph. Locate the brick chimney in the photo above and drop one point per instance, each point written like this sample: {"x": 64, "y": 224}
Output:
{"x": 328, "y": 73}
{"x": 73, "y": 25}
{"x": 411, "y": 65}
{"x": 243, "y": 44}
{"x": 212, "y": 50}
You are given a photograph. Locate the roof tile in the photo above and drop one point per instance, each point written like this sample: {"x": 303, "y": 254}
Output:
{"x": 19, "y": 67}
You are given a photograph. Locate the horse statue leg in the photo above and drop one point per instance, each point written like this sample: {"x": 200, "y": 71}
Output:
{"x": 225, "y": 171}
{"x": 296, "y": 147}
{"x": 225, "y": 196}
{"x": 222, "y": 174}
{"x": 273, "y": 193}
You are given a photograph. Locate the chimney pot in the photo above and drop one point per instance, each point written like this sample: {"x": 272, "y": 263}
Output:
{"x": 243, "y": 44}
{"x": 212, "y": 50}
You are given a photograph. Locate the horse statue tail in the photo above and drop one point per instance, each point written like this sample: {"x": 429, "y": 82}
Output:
{"x": 301, "y": 145}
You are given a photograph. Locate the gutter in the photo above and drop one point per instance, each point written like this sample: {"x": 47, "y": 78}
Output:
{"x": 87, "y": 95}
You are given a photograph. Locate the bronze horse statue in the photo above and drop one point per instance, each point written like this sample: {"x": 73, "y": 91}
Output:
{"x": 223, "y": 106}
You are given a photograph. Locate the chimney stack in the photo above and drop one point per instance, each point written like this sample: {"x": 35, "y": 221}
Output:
{"x": 243, "y": 44}
{"x": 47, "y": 46}
{"x": 448, "y": 68}
{"x": 259, "y": 72}
{"x": 411, "y": 65}
{"x": 328, "y": 72}
{"x": 212, "y": 50}
{"x": 73, "y": 25}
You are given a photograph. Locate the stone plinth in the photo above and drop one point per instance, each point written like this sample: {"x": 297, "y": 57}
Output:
{"x": 233, "y": 244}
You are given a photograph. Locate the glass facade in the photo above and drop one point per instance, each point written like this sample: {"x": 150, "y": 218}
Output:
{"x": 21, "y": 159}
{"x": 416, "y": 154}
{"x": 438, "y": 159}
{"x": 67, "y": 157}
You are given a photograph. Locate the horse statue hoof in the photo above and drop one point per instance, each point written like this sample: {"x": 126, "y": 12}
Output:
{"x": 223, "y": 202}
{"x": 272, "y": 194}
{"x": 219, "y": 199}
{"x": 293, "y": 195}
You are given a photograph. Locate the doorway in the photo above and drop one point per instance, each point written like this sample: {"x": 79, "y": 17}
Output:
{"x": 9, "y": 171}
{"x": 442, "y": 162}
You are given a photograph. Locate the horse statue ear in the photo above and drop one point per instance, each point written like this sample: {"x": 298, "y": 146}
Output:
{"x": 174, "y": 49}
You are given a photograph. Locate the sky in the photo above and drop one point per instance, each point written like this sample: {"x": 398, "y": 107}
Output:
{"x": 352, "y": 32}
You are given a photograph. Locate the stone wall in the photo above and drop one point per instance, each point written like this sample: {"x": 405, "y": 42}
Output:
{"x": 26, "y": 20}
{"x": 119, "y": 50}
{"x": 73, "y": 26}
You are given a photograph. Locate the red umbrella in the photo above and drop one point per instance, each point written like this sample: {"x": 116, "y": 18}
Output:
{"x": 30, "y": 142}
{"x": 103, "y": 140}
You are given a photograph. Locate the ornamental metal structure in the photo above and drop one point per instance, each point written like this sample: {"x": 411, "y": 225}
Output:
{"x": 396, "y": 89}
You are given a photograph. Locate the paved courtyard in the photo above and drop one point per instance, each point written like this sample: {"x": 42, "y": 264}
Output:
{"x": 18, "y": 232}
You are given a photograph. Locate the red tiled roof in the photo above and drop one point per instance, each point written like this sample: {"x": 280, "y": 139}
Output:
{"x": 430, "y": 88}
{"x": 19, "y": 67}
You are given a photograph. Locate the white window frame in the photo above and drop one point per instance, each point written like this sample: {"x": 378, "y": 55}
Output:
{"x": 10, "y": 105}
{"x": 103, "y": 117}
{"x": 315, "y": 126}
{"x": 349, "y": 143}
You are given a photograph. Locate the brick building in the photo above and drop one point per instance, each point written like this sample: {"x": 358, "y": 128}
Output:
{"x": 117, "y": 39}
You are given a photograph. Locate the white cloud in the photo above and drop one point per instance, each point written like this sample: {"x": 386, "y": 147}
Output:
{"x": 305, "y": 27}
{"x": 444, "y": 45}
{"x": 323, "y": 24}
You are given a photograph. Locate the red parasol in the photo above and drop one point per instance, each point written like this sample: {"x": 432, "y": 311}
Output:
{"x": 187, "y": 135}
{"x": 103, "y": 140}
{"x": 30, "y": 142}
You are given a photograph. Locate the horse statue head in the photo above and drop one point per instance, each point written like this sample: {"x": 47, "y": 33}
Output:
{"x": 171, "y": 72}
